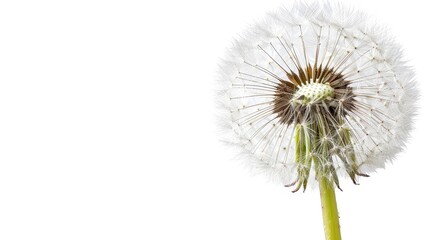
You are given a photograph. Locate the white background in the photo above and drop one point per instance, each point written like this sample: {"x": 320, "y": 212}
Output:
{"x": 107, "y": 129}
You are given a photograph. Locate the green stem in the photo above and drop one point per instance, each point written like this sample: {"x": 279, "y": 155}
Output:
{"x": 329, "y": 209}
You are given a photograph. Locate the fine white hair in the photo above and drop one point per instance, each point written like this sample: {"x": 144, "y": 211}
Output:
{"x": 325, "y": 35}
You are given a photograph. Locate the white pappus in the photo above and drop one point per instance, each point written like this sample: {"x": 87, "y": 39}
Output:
{"x": 316, "y": 90}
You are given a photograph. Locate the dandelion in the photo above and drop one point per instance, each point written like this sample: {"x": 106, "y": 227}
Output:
{"x": 316, "y": 93}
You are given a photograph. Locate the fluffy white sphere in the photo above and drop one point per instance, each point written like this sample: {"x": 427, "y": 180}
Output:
{"x": 276, "y": 84}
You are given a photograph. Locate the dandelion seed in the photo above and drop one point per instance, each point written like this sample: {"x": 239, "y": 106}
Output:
{"x": 316, "y": 92}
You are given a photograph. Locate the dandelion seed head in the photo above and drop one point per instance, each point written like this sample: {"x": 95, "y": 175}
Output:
{"x": 316, "y": 90}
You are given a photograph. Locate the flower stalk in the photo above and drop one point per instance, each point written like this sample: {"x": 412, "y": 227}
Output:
{"x": 329, "y": 210}
{"x": 305, "y": 157}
